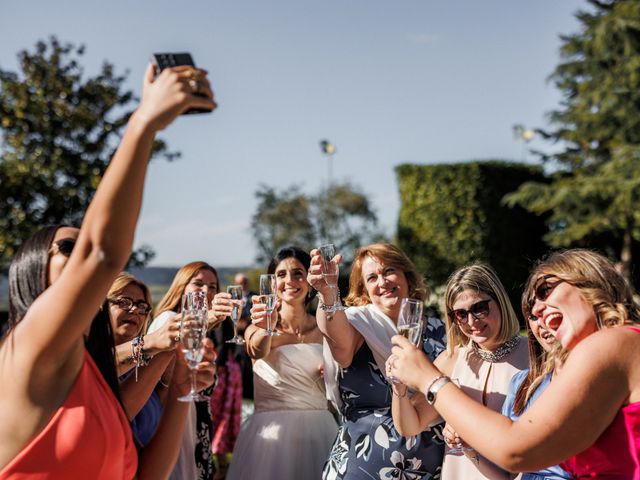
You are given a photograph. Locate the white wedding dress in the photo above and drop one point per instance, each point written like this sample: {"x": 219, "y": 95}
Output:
{"x": 291, "y": 431}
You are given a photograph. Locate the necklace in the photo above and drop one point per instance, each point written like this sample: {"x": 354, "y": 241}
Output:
{"x": 500, "y": 352}
{"x": 299, "y": 332}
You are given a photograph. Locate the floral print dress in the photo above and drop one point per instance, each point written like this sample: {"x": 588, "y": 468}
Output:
{"x": 367, "y": 445}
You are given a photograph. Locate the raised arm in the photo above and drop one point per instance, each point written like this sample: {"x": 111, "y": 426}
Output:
{"x": 54, "y": 326}
{"x": 343, "y": 339}
{"x": 566, "y": 419}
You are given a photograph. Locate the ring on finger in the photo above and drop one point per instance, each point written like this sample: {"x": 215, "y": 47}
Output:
{"x": 194, "y": 85}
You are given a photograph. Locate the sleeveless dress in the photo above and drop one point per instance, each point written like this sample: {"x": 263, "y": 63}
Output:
{"x": 368, "y": 446}
{"x": 290, "y": 432}
{"x": 472, "y": 372}
{"x": 550, "y": 473}
{"x": 87, "y": 437}
{"x": 614, "y": 455}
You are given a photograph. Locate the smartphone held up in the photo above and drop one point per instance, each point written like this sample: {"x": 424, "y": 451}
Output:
{"x": 167, "y": 60}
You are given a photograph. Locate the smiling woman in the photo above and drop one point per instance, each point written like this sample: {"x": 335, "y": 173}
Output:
{"x": 357, "y": 343}
{"x": 589, "y": 416}
{"x": 484, "y": 351}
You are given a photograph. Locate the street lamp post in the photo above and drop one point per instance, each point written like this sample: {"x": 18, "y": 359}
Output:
{"x": 525, "y": 135}
{"x": 329, "y": 149}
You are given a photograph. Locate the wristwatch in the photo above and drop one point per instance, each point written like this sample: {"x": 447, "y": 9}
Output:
{"x": 434, "y": 388}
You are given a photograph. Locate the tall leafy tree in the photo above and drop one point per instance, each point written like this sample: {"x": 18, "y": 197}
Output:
{"x": 340, "y": 214}
{"x": 59, "y": 130}
{"x": 595, "y": 173}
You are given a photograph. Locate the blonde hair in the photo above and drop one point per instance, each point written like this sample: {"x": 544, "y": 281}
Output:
{"x": 172, "y": 300}
{"x": 122, "y": 281}
{"x": 479, "y": 278}
{"x": 597, "y": 280}
{"x": 389, "y": 255}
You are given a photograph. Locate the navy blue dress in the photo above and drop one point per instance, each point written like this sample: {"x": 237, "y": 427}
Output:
{"x": 367, "y": 445}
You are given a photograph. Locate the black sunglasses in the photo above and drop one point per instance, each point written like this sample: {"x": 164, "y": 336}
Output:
{"x": 64, "y": 246}
{"x": 541, "y": 291}
{"x": 478, "y": 310}
{"x": 543, "y": 287}
{"x": 125, "y": 303}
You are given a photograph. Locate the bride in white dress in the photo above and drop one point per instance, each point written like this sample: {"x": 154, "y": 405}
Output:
{"x": 291, "y": 431}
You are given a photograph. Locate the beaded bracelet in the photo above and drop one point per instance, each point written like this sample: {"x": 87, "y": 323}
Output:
{"x": 138, "y": 355}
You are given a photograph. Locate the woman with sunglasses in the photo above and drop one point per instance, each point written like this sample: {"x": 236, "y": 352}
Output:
{"x": 589, "y": 416}
{"x": 527, "y": 385}
{"x": 60, "y": 416}
{"x": 484, "y": 350}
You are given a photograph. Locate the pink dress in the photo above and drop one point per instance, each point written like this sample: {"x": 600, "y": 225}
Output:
{"x": 614, "y": 455}
{"x": 88, "y": 437}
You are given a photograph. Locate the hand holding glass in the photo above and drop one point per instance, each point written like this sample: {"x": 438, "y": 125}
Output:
{"x": 330, "y": 273}
{"x": 236, "y": 294}
{"x": 410, "y": 320}
{"x": 268, "y": 296}
{"x": 193, "y": 330}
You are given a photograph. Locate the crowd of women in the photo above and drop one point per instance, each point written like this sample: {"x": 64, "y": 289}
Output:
{"x": 92, "y": 378}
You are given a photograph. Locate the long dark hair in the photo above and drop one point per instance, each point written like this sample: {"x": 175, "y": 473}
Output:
{"x": 292, "y": 252}
{"x": 28, "y": 279}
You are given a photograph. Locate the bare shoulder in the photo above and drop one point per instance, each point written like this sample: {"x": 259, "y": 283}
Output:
{"x": 446, "y": 362}
{"x": 615, "y": 344}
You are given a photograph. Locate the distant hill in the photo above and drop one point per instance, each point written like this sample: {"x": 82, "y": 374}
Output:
{"x": 152, "y": 276}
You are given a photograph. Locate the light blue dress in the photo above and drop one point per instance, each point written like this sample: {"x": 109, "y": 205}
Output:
{"x": 550, "y": 473}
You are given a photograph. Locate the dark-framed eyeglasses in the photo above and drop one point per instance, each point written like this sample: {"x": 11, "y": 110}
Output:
{"x": 64, "y": 247}
{"x": 126, "y": 303}
{"x": 478, "y": 310}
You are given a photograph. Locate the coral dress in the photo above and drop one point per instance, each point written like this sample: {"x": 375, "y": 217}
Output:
{"x": 87, "y": 437}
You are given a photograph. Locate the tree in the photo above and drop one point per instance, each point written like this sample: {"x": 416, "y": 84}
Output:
{"x": 593, "y": 193}
{"x": 59, "y": 131}
{"x": 340, "y": 214}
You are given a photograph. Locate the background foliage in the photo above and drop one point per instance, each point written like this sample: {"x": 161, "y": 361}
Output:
{"x": 59, "y": 130}
{"x": 595, "y": 174}
{"x": 452, "y": 215}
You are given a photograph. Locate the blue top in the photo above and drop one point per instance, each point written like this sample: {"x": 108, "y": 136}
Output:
{"x": 146, "y": 422}
{"x": 550, "y": 473}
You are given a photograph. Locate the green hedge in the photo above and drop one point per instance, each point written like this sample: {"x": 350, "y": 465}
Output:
{"x": 452, "y": 215}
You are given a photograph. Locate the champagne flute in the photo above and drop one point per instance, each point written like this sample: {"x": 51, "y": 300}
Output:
{"x": 269, "y": 296}
{"x": 193, "y": 330}
{"x": 410, "y": 320}
{"x": 236, "y": 294}
{"x": 330, "y": 274}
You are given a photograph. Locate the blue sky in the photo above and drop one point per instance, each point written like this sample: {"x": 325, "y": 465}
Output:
{"x": 386, "y": 82}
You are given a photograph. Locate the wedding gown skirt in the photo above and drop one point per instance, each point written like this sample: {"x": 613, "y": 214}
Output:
{"x": 290, "y": 434}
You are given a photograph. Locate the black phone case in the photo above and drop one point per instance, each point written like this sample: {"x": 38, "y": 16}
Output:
{"x": 166, "y": 60}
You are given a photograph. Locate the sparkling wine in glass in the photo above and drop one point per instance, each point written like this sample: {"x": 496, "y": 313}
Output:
{"x": 236, "y": 294}
{"x": 269, "y": 296}
{"x": 410, "y": 320}
{"x": 193, "y": 330}
{"x": 330, "y": 273}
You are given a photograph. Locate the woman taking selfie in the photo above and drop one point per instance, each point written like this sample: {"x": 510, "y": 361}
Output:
{"x": 52, "y": 388}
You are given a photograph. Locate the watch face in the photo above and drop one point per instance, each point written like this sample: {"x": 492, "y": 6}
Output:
{"x": 431, "y": 398}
